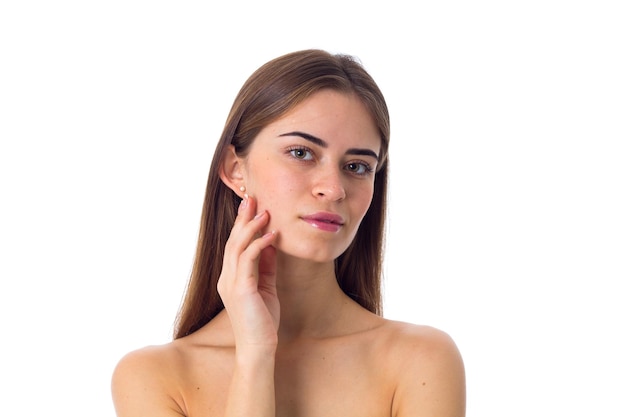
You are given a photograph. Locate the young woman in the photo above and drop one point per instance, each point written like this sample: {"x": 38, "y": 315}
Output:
{"x": 282, "y": 316}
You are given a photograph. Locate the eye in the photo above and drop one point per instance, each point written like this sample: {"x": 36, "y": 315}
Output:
{"x": 359, "y": 168}
{"x": 304, "y": 154}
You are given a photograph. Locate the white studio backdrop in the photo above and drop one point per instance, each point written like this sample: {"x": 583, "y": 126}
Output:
{"x": 507, "y": 201}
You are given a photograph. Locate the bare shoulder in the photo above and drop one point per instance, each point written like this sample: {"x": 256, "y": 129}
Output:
{"x": 144, "y": 381}
{"x": 415, "y": 339}
{"x": 427, "y": 369}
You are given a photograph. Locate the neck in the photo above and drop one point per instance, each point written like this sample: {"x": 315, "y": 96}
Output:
{"x": 311, "y": 301}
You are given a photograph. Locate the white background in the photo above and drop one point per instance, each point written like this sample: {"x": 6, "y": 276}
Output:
{"x": 508, "y": 183}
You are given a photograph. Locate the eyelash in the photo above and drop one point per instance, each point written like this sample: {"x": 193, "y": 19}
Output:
{"x": 366, "y": 167}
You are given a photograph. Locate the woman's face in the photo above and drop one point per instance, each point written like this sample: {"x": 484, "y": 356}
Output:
{"x": 313, "y": 171}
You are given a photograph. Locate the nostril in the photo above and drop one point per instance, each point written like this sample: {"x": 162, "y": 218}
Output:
{"x": 334, "y": 194}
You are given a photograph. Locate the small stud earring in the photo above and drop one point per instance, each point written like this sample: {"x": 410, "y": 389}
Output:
{"x": 242, "y": 189}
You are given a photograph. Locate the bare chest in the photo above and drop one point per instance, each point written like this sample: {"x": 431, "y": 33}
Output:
{"x": 332, "y": 383}
{"x": 319, "y": 381}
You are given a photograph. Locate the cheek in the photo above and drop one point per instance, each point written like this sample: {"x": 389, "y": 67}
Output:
{"x": 283, "y": 186}
{"x": 364, "y": 206}
{"x": 365, "y": 196}
{"x": 362, "y": 203}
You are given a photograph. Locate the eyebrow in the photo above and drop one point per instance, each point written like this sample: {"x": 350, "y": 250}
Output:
{"x": 324, "y": 144}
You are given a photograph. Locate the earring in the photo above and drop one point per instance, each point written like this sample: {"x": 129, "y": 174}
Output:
{"x": 242, "y": 189}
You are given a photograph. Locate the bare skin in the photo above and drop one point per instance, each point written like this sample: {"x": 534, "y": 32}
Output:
{"x": 290, "y": 342}
{"x": 391, "y": 369}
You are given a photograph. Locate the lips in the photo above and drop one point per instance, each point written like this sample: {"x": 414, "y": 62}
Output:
{"x": 325, "y": 221}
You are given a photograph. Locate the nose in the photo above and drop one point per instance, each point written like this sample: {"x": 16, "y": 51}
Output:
{"x": 329, "y": 185}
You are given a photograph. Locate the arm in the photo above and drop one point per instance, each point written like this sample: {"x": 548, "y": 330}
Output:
{"x": 432, "y": 378}
{"x": 142, "y": 384}
{"x": 247, "y": 286}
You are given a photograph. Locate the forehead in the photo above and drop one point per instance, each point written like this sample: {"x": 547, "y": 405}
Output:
{"x": 333, "y": 116}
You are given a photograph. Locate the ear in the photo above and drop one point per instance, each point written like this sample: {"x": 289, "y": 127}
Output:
{"x": 231, "y": 171}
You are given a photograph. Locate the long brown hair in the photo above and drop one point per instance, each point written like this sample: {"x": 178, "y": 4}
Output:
{"x": 270, "y": 92}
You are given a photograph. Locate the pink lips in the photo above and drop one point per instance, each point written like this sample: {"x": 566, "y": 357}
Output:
{"x": 328, "y": 222}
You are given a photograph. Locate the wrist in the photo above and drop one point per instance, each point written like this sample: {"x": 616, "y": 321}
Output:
{"x": 255, "y": 354}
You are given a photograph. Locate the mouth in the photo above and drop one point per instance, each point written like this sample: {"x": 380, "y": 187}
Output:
{"x": 328, "y": 222}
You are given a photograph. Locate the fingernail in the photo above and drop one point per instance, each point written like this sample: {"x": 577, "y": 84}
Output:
{"x": 244, "y": 202}
{"x": 259, "y": 215}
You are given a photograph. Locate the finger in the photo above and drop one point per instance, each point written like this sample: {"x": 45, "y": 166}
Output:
{"x": 243, "y": 278}
{"x": 250, "y": 266}
{"x": 246, "y": 210}
{"x": 267, "y": 261}
{"x": 267, "y": 268}
{"x": 247, "y": 226}
{"x": 241, "y": 259}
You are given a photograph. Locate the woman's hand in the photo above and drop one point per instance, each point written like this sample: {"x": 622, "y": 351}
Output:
{"x": 247, "y": 283}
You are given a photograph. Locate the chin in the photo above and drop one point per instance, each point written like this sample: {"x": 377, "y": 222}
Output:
{"x": 317, "y": 253}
